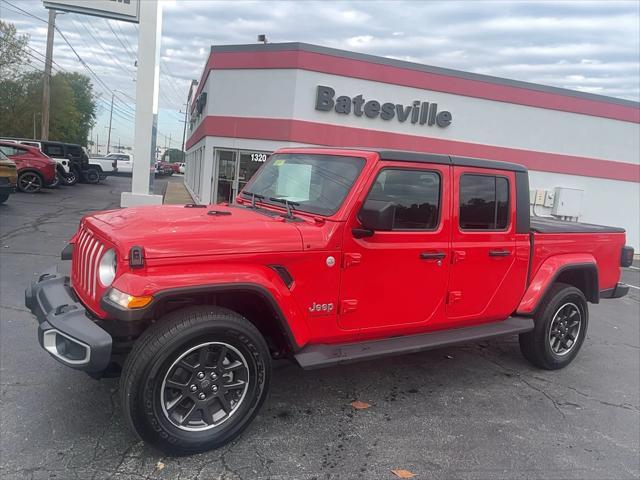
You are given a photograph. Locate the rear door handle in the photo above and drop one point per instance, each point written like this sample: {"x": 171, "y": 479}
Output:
{"x": 432, "y": 255}
{"x": 499, "y": 253}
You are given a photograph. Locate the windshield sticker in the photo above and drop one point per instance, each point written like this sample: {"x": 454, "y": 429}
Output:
{"x": 278, "y": 163}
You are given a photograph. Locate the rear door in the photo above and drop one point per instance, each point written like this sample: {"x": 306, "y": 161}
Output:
{"x": 483, "y": 279}
{"x": 396, "y": 281}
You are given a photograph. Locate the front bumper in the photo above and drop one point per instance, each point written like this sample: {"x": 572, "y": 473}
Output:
{"x": 65, "y": 330}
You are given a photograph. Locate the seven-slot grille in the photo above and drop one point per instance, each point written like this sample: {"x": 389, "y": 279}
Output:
{"x": 87, "y": 251}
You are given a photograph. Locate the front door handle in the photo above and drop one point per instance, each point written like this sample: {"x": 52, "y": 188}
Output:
{"x": 432, "y": 255}
{"x": 499, "y": 253}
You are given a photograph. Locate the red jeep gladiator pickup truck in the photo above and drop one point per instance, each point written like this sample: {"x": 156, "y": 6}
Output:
{"x": 327, "y": 256}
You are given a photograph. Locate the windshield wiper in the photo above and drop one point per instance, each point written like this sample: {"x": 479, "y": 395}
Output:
{"x": 288, "y": 203}
{"x": 253, "y": 197}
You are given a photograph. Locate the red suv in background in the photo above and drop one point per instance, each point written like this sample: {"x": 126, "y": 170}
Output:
{"x": 35, "y": 169}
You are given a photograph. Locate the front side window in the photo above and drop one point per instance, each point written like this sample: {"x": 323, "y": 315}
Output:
{"x": 415, "y": 194}
{"x": 317, "y": 183}
{"x": 484, "y": 202}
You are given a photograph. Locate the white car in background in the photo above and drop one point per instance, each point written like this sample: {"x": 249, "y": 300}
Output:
{"x": 182, "y": 167}
{"x": 124, "y": 161}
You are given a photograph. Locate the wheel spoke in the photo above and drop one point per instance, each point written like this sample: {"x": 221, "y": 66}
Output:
{"x": 234, "y": 386}
{"x": 574, "y": 324}
{"x": 207, "y": 414}
{"x": 174, "y": 403}
{"x": 176, "y": 385}
{"x": 224, "y": 403}
{"x": 222, "y": 355}
{"x": 188, "y": 415}
{"x": 234, "y": 366}
{"x": 186, "y": 366}
{"x": 202, "y": 357}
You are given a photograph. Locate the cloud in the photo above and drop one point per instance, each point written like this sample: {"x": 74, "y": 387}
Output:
{"x": 588, "y": 46}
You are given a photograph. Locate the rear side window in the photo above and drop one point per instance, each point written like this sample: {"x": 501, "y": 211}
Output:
{"x": 415, "y": 194}
{"x": 53, "y": 150}
{"x": 484, "y": 202}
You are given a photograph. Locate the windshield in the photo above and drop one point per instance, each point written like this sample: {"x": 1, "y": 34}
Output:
{"x": 312, "y": 183}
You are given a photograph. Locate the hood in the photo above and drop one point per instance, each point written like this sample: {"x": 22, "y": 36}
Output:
{"x": 177, "y": 231}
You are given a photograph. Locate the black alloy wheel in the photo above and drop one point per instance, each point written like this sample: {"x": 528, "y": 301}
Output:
{"x": 30, "y": 182}
{"x": 560, "y": 327}
{"x": 91, "y": 175}
{"x": 195, "y": 379}
{"x": 70, "y": 178}
{"x": 204, "y": 387}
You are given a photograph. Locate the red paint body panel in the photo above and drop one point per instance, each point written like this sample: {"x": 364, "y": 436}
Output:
{"x": 552, "y": 252}
{"x": 366, "y": 288}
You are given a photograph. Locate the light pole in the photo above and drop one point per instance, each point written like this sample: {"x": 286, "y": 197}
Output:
{"x": 113, "y": 94}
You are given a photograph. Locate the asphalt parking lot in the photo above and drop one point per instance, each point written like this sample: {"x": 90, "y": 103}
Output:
{"x": 471, "y": 412}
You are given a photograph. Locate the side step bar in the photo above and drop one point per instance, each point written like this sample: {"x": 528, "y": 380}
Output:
{"x": 316, "y": 356}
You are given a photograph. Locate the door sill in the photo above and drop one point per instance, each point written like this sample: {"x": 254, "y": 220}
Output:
{"x": 316, "y": 356}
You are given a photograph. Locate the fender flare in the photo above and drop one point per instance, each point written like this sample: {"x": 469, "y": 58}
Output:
{"x": 268, "y": 285}
{"x": 547, "y": 274}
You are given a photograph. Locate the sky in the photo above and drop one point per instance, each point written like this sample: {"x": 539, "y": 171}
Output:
{"x": 588, "y": 46}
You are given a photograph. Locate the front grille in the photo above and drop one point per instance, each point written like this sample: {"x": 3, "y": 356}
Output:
{"x": 87, "y": 252}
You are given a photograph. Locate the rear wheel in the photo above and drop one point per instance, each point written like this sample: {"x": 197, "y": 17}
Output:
{"x": 91, "y": 175}
{"x": 195, "y": 380}
{"x": 560, "y": 328}
{"x": 30, "y": 182}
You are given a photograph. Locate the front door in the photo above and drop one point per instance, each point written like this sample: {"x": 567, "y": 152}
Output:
{"x": 483, "y": 280}
{"x": 396, "y": 281}
{"x": 226, "y": 181}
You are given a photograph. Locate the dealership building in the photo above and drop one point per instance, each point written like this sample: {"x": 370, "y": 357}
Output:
{"x": 582, "y": 150}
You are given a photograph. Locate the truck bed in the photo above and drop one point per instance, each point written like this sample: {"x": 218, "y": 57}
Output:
{"x": 551, "y": 225}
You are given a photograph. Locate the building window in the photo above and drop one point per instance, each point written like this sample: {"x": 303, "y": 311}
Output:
{"x": 484, "y": 202}
{"x": 415, "y": 194}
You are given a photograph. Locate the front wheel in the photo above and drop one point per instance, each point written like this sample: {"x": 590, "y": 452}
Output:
{"x": 560, "y": 328}
{"x": 195, "y": 380}
{"x": 70, "y": 178}
{"x": 30, "y": 182}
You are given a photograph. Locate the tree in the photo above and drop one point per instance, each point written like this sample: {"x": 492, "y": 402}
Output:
{"x": 12, "y": 50}
{"x": 72, "y": 109}
{"x": 173, "y": 155}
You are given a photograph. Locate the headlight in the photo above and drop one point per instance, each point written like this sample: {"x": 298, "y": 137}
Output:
{"x": 107, "y": 267}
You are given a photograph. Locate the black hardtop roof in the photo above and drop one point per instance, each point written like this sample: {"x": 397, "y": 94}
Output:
{"x": 419, "y": 157}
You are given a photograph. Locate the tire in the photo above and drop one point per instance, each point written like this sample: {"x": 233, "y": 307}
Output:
{"x": 4, "y": 197}
{"x": 71, "y": 178}
{"x": 556, "y": 339}
{"x": 30, "y": 182}
{"x": 91, "y": 175}
{"x": 173, "y": 420}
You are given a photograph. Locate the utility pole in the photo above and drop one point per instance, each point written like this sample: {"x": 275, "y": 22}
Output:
{"x": 97, "y": 143}
{"x": 44, "y": 130}
{"x": 184, "y": 129}
{"x": 110, "y": 117}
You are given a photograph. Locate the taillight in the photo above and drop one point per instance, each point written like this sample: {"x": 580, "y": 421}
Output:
{"x": 626, "y": 258}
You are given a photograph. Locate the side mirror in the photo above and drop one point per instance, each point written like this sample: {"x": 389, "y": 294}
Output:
{"x": 375, "y": 215}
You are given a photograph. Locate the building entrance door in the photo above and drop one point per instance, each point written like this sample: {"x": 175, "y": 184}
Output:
{"x": 225, "y": 173}
{"x": 232, "y": 170}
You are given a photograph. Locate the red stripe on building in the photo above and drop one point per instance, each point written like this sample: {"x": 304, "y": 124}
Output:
{"x": 338, "y": 136}
{"x": 348, "y": 67}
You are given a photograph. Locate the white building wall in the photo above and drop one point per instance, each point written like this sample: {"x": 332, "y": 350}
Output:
{"x": 291, "y": 94}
